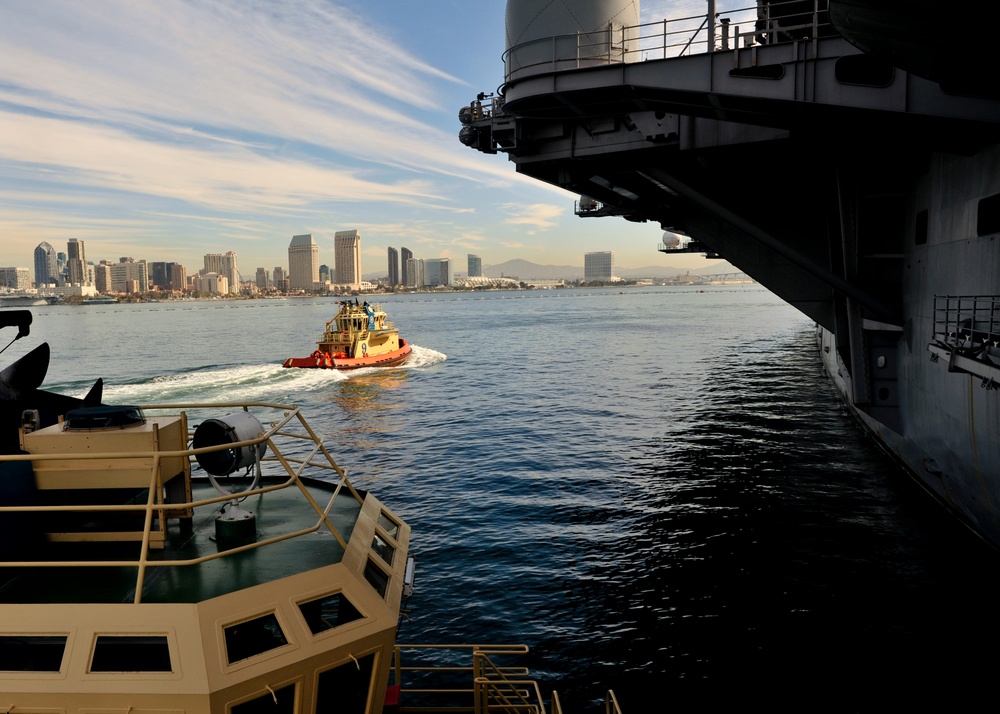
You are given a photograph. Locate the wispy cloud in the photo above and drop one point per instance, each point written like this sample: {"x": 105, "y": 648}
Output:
{"x": 535, "y": 216}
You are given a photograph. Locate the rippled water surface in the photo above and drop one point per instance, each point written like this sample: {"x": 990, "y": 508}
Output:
{"x": 657, "y": 490}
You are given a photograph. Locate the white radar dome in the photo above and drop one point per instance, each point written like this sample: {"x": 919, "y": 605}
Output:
{"x": 585, "y": 32}
{"x": 671, "y": 240}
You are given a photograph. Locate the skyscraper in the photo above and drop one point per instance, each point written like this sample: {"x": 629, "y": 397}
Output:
{"x": 45, "y": 265}
{"x": 475, "y": 266}
{"x": 405, "y": 256}
{"x": 393, "y": 278}
{"x": 263, "y": 279}
{"x": 598, "y": 266}
{"x": 303, "y": 262}
{"x": 76, "y": 263}
{"x": 437, "y": 271}
{"x": 347, "y": 257}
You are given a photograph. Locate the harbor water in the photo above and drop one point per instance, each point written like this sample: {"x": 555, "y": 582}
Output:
{"x": 656, "y": 489}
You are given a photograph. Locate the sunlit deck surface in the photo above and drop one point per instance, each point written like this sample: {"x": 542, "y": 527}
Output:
{"x": 277, "y": 512}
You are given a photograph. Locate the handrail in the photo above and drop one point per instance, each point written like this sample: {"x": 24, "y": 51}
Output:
{"x": 275, "y": 436}
{"x": 491, "y": 687}
{"x": 770, "y": 22}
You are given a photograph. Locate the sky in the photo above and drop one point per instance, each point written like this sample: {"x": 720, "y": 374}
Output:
{"x": 167, "y": 129}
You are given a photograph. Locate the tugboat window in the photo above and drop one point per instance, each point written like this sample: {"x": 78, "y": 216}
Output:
{"x": 127, "y": 653}
{"x": 328, "y": 612}
{"x": 31, "y": 653}
{"x": 253, "y": 637}
{"x": 383, "y": 549}
{"x": 376, "y": 578}
{"x": 389, "y": 525}
{"x": 345, "y": 689}
{"x": 282, "y": 701}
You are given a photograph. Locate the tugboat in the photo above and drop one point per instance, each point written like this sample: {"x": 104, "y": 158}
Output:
{"x": 358, "y": 336}
{"x": 186, "y": 558}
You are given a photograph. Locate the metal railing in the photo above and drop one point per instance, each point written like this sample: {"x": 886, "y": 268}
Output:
{"x": 474, "y": 679}
{"x": 759, "y": 24}
{"x": 969, "y": 322}
{"x": 292, "y": 445}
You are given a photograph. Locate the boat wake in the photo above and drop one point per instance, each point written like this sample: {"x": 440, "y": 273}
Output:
{"x": 259, "y": 382}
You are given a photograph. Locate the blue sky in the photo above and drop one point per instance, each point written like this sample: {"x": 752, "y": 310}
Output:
{"x": 166, "y": 130}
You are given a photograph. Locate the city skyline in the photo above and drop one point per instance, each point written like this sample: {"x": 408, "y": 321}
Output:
{"x": 124, "y": 127}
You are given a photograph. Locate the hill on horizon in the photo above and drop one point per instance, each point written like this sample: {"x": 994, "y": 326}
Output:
{"x": 526, "y": 270}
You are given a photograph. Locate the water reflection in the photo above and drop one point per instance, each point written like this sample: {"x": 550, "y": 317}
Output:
{"x": 369, "y": 407}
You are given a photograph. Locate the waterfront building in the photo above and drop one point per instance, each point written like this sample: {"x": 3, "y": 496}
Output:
{"x": 76, "y": 262}
{"x": 437, "y": 271}
{"x": 393, "y": 278}
{"x": 129, "y": 276}
{"x": 599, "y": 266}
{"x": 324, "y": 273}
{"x": 415, "y": 272}
{"x": 405, "y": 256}
{"x": 211, "y": 284}
{"x": 263, "y": 280}
{"x": 178, "y": 276}
{"x": 347, "y": 258}
{"x": 280, "y": 279}
{"x": 225, "y": 265}
{"x": 60, "y": 273}
{"x": 46, "y": 272}
{"x": 303, "y": 262}
{"x": 102, "y": 277}
{"x": 475, "y": 266}
{"x": 15, "y": 278}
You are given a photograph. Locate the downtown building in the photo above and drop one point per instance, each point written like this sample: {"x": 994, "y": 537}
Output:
{"x": 46, "y": 272}
{"x": 129, "y": 276}
{"x": 393, "y": 275}
{"x": 347, "y": 258}
{"x": 475, "y": 266}
{"x": 437, "y": 272}
{"x": 76, "y": 262}
{"x": 226, "y": 266}
{"x": 14, "y": 278}
{"x": 405, "y": 256}
{"x": 303, "y": 263}
{"x": 599, "y": 267}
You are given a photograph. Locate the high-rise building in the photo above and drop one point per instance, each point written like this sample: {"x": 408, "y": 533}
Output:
{"x": 437, "y": 271}
{"x": 178, "y": 276}
{"x": 226, "y": 266}
{"x": 76, "y": 262}
{"x": 475, "y": 266}
{"x": 263, "y": 279}
{"x": 598, "y": 266}
{"x": 324, "y": 273}
{"x": 405, "y": 256}
{"x": 393, "y": 278}
{"x": 303, "y": 262}
{"x": 15, "y": 278}
{"x": 102, "y": 277}
{"x": 415, "y": 273}
{"x": 279, "y": 277}
{"x": 45, "y": 265}
{"x": 347, "y": 257}
{"x": 129, "y": 276}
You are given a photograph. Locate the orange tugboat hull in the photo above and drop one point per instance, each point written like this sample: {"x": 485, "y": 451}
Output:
{"x": 324, "y": 360}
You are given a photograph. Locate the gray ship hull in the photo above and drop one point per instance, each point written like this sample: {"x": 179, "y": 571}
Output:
{"x": 863, "y": 193}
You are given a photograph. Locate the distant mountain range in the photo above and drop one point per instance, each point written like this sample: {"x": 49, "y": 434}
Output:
{"x": 526, "y": 270}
